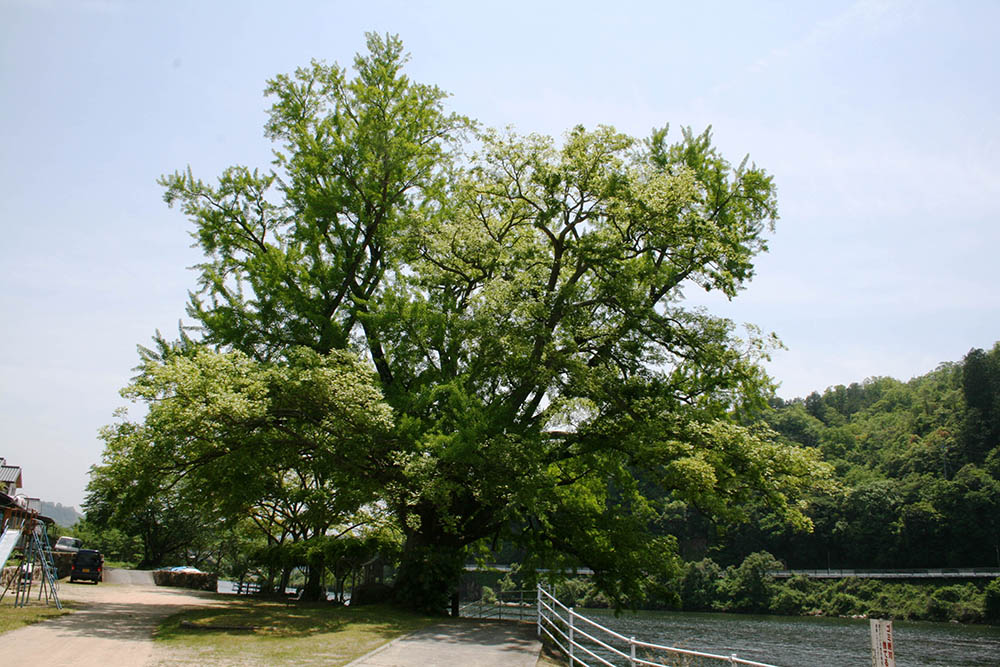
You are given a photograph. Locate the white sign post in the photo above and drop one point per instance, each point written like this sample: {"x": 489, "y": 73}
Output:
{"x": 883, "y": 652}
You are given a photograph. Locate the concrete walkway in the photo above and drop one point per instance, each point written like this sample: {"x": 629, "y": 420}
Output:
{"x": 460, "y": 643}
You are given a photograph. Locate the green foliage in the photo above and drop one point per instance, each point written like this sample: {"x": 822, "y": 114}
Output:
{"x": 700, "y": 585}
{"x": 992, "y": 601}
{"x": 522, "y": 309}
{"x": 749, "y": 587}
{"x": 954, "y": 602}
{"x": 116, "y": 545}
{"x": 226, "y": 436}
{"x": 911, "y": 601}
{"x": 917, "y": 465}
{"x": 844, "y": 604}
{"x": 787, "y": 602}
{"x": 135, "y": 523}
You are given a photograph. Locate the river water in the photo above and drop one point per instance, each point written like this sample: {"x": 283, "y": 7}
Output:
{"x": 804, "y": 641}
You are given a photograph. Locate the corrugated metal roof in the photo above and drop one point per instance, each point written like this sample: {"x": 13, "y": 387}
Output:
{"x": 10, "y": 474}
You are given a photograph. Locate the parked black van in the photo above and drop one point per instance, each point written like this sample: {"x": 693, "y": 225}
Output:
{"x": 87, "y": 564}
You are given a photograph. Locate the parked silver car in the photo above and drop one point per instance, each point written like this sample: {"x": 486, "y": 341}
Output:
{"x": 68, "y": 544}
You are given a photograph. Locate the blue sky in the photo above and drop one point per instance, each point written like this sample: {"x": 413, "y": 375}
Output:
{"x": 878, "y": 120}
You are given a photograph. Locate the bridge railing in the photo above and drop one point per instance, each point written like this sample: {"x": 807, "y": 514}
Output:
{"x": 913, "y": 573}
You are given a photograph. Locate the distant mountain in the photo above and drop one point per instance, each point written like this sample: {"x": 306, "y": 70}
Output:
{"x": 62, "y": 515}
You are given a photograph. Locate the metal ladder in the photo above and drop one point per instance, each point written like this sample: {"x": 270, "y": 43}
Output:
{"x": 36, "y": 558}
{"x": 44, "y": 549}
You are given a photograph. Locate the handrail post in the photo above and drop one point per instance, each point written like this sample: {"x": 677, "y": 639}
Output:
{"x": 571, "y": 640}
{"x": 631, "y": 651}
{"x": 538, "y": 603}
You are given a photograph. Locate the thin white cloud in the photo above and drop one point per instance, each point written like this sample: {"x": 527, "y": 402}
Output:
{"x": 864, "y": 15}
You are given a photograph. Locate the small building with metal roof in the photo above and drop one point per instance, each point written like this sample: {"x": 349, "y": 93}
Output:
{"x": 10, "y": 478}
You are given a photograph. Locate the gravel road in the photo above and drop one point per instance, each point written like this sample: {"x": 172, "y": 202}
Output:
{"x": 113, "y": 627}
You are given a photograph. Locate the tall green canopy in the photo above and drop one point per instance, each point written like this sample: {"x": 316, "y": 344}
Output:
{"x": 519, "y": 305}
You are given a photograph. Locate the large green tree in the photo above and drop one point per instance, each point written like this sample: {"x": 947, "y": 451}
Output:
{"x": 521, "y": 308}
{"x": 225, "y": 436}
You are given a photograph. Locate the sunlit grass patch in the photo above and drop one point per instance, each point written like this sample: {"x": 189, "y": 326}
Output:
{"x": 12, "y": 618}
{"x": 269, "y": 633}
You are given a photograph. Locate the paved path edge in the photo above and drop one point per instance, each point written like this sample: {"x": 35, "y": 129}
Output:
{"x": 383, "y": 647}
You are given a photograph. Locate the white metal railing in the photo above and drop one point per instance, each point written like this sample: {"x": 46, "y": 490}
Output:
{"x": 601, "y": 645}
{"x": 509, "y": 605}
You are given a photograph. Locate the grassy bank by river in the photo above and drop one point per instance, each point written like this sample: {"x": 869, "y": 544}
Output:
{"x": 963, "y": 602}
{"x": 748, "y": 588}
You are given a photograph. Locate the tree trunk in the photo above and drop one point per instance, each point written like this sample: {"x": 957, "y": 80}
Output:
{"x": 428, "y": 572}
{"x": 286, "y": 575}
{"x": 314, "y": 591}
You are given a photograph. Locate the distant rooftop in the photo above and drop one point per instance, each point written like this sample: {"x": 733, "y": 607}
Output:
{"x": 9, "y": 475}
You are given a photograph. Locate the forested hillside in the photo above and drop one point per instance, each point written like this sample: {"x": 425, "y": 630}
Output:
{"x": 917, "y": 473}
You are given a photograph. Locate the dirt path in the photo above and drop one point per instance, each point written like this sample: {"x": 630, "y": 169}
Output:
{"x": 112, "y": 629}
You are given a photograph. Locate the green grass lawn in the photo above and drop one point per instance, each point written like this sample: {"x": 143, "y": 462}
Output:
{"x": 300, "y": 634}
{"x": 12, "y": 618}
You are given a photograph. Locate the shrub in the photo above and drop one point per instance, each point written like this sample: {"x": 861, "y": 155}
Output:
{"x": 844, "y": 604}
{"x": 881, "y": 606}
{"x": 800, "y": 583}
{"x": 573, "y": 592}
{"x": 992, "y": 601}
{"x": 787, "y": 601}
{"x": 595, "y": 599}
{"x": 749, "y": 587}
{"x": 957, "y": 602}
{"x": 700, "y": 585}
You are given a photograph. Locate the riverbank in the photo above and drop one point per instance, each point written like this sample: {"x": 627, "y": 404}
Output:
{"x": 925, "y": 601}
{"x": 749, "y": 588}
